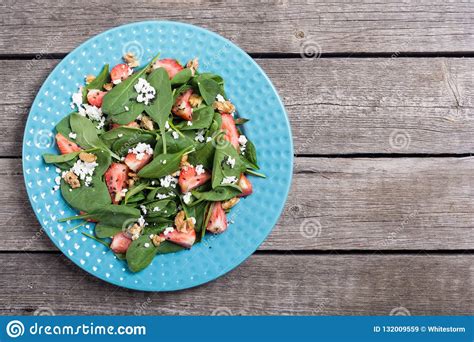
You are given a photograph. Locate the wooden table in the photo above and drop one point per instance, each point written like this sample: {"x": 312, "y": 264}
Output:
{"x": 381, "y": 214}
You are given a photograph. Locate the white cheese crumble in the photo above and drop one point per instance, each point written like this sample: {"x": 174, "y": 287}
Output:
{"x": 77, "y": 99}
{"x": 140, "y": 150}
{"x": 168, "y": 181}
{"x": 189, "y": 123}
{"x": 155, "y": 209}
{"x": 141, "y": 221}
{"x": 92, "y": 112}
{"x": 230, "y": 161}
{"x": 220, "y": 98}
{"x": 208, "y": 139}
{"x": 83, "y": 170}
{"x": 193, "y": 220}
{"x": 146, "y": 245}
{"x": 175, "y": 135}
{"x": 167, "y": 125}
{"x": 72, "y": 135}
{"x": 145, "y": 91}
{"x": 123, "y": 192}
{"x": 126, "y": 108}
{"x": 243, "y": 143}
{"x": 229, "y": 180}
{"x": 56, "y": 188}
{"x": 168, "y": 230}
{"x": 199, "y": 135}
{"x": 144, "y": 209}
{"x": 187, "y": 197}
{"x": 199, "y": 169}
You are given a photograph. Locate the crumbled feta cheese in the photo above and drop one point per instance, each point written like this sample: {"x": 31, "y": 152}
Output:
{"x": 175, "y": 135}
{"x": 144, "y": 209}
{"x": 101, "y": 123}
{"x": 199, "y": 169}
{"x": 242, "y": 140}
{"x": 72, "y": 135}
{"x": 162, "y": 196}
{"x": 229, "y": 180}
{"x": 199, "y": 135}
{"x": 141, "y": 221}
{"x": 193, "y": 220}
{"x": 168, "y": 181}
{"x": 123, "y": 192}
{"x": 140, "y": 150}
{"x": 155, "y": 209}
{"x": 230, "y": 161}
{"x": 163, "y": 161}
{"x": 126, "y": 108}
{"x": 168, "y": 230}
{"x": 208, "y": 139}
{"x": 167, "y": 125}
{"x": 145, "y": 91}
{"x": 220, "y": 98}
{"x": 146, "y": 245}
{"x": 187, "y": 197}
{"x": 58, "y": 170}
{"x": 189, "y": 123}
{"x": 77, "y": 99}
{"x": 120, "y": 135}
{"x": 117, "y": 81}
{"x": 84, "y": 169}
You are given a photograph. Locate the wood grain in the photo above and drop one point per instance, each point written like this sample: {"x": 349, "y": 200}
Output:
{"x": 334, "y": 204}
{"x": 257, "y": 26}
{"x": 336, "y": 106}
{"x": 333, "y": 284}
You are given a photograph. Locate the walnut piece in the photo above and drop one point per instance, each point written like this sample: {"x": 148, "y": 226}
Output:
{"x": 182, "y": 224}
{"x": 195, "y": 100}
{"x": 135, "y": 231}
{"x": 147, "y": 123}
{"x": 193, "y": 65}
{"x": 87, "y": 157}
{"x": 108, "y": 86}
{"x": 131, "y": 60}
{"x": 72, "y": 179}
{"x": 89, "y": 78}
{"x": 157, "y": 239}
{"x": 230, "y": 203}
{"x": 184, "y": 161}
{"x": 224, "y": 107}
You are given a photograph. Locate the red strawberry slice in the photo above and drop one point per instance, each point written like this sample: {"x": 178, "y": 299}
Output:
{"x": 66, "y": 146}
{"x": 189, "y": 179}
{"x": 182, "y": 107}
{"x": 94, "y": 97}
{"x": 119, "y": 73}
{"x": 136, "y": 164}
{"x": 185, "y": 239}
{"x": 116, "y": 178}
{"x": 217, "y": 221}
{"x": 171, "y": 66}
{"x": 231, "y": 133}
{"x": 120, "y": 243}
{"x": 245, "y": 185}
{"x": 133, "y": 124}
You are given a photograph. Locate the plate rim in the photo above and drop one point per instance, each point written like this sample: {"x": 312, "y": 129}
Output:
{"x": 279, "y": 209}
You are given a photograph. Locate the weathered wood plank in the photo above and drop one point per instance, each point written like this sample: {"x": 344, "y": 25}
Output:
{"x": 257, "y": 26}
{"x": 342, "y": 203}
{"x": 404, "y": 105}
{"x": 264, "y": 285}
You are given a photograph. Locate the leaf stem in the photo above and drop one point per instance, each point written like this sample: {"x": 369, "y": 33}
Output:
{"x": 75, "y": 227}
{"x": 96, "y": 239}
{"x": 255, "y": 173}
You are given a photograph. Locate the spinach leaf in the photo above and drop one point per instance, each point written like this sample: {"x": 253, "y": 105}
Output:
{"x": 173, "y": 145}
{"x": 204, "y": 155}
{"x": 168, "y": 247}
{"x": 127, "y": 116}
{"x": 64, "y": 126}
{"x": 182, "y": 77}
{"x": 123, "y": 144}
{"x": 241, "y": 121}
{"x": 198, "y": 212}
{"x": 59, "y": 158}
{"x": 165, "y": 207}
{"x": 137, "y": 188}
{"x": 163, "y": 164}
{"x": 221, "y": 169}
{"x": 138, "y": 256}
{"x": 160, "y": 108}
{"x": 115, "y": 100}
{"x": 202, "y": 119}
{"x": 101, "y": 79}
{"x": 172, "y": 194}
{"x": 81, "y": 198}
{"x": 87, "y": 136}
{"x": 209, "y": 90}
{"x": 220, "y": 193}
{"x": 114, "y": 215}
{"x": 103, "y": 231}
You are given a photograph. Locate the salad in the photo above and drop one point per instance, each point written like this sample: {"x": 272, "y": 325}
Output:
{"x": 155, "y": 156}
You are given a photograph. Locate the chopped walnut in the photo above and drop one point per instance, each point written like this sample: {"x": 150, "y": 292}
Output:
{"x": 184, "y": 160}
{"x": 131, "y": 60}
{"x": 182, "y": 224}
{"x": 87, "y": 157}
{"x": 195, "y": 100}
{"x": 72, "y": 179}
{"x": 230, "y": 203}
{"x": 157, "y": 239}
{"x": 147, "y": 123}
{"x": 224, "y": 107}
{"x": 89, "y": 78}
{"x": 133, "y": 177}
{"x": 135, "y": 231}
{"x": 108, "y": 86}
{"x": 193, "y": 65}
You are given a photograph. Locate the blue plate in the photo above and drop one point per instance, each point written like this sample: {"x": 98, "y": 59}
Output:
{"x": 254, "y": 97}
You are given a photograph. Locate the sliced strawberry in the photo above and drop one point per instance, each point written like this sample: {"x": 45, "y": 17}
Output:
{"x": 94, "y": 97}
{"x": 116, "y": 178}
{"x": 171, "y": 66}
{"x": 182, "y": 107}
{"x": 217, "y": 222}
{"x": 231, "y": 133}
{"x": 133, "y": 124}
{"x": 189, "y": 179}
{"x": 136, "y": 164}
{"x": 66, "y": 146}
{"x": 185, "y": 239}
{"x": 245, "y": 185}
{"x": 119, "y": 73}
{"x": 120, "y": 243}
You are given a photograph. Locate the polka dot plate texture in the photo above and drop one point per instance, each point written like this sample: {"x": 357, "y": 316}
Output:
{"x": 254, "y": 97}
